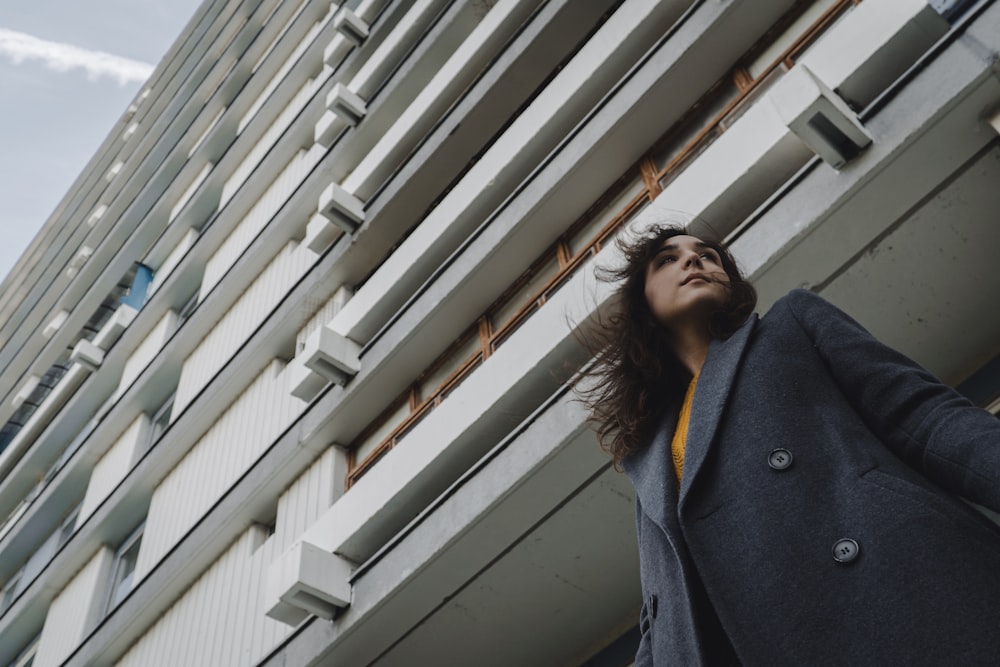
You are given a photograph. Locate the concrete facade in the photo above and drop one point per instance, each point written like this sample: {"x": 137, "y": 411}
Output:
{"x": 287, "y": 374}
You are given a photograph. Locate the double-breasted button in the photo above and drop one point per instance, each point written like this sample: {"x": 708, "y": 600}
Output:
{"x": 845, "y": 550}
{"x": 651, "y": 607}
{"x": 779, "y": 459}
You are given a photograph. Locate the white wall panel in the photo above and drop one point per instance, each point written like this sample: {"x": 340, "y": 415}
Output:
{"x": 324, "y": 313}
{"x": 450, "y": 80}
{"x": 263, "y": 633}
{"x": 148, "y": 349}
{"x": 204, "y": 135}
{"x": 272, "y": 134}
{"x": 256, "y": 219}
{"x": 74, "y": 610}
{"x": 227, "y": 450}
{"x": 39, "y": 559}
{"x": 289, "y": 111}
{"x": 239, "y": 322}
{"x": 215, "y": 622}
{"x": 173, "y": 259}
{"x": 220, "y": 620}
{"x": 573, "y": 91}
{"x": 396, "y": 45}
{"x": 191, "y": 189}
{"x": 309, "y": 496}
{"x": 280, "y": 75}
{"x": 114, "y": 465}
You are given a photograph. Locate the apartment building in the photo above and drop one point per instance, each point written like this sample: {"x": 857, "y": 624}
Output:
{"x": 287, "y": 375}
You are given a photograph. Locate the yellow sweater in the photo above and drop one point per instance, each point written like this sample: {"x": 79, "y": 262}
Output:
{"x": 680, "y": 434}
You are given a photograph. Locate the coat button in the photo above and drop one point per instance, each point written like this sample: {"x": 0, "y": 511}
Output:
{"x": 845, "y": 550}
{"x": 652, "y": 606}
{"x": 779, "y": 459}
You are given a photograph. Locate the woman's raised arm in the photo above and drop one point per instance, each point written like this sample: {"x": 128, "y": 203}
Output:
{"x": 926, "y": 422}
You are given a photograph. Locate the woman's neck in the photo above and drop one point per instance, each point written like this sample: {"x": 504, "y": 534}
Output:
{"x": 690, "y": 345}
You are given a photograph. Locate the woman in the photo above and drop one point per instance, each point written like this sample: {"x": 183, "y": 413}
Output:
{"x": 793, "y": 476}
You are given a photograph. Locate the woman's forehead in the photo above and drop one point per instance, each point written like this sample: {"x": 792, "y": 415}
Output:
{"x": 682, "y": 241}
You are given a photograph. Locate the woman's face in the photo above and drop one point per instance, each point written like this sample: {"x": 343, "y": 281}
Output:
{"x": 685, "y": 283}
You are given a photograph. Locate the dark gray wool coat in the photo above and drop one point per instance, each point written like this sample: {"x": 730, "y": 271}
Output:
{"x": 815, "y": 522}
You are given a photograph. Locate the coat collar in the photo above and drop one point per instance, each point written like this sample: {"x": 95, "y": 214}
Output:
{"x": 714, "y": 384}
{"x": 651, "y": 469}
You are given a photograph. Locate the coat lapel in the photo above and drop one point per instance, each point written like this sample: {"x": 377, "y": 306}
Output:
{"x": 651, "y": 471}
{"x": 714, "y": 384}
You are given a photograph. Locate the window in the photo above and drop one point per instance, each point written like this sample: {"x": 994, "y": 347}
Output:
{"x": 67, "y": 526}
{"x": 187, "y": 309}
{"x": 34, "y": 399}
{"x": 26, "y": 657}
{"x": 124, "y": 568}
{"x": 159, "y": 422}
{"x": 138, "y": 292}
{"x": 10, "y": 590}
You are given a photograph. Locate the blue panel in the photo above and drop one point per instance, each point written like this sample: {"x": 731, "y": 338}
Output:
{"x": 139, "y": 291}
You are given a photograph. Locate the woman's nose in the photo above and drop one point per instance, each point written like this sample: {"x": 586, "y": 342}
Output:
{"x": 693, "y": 259}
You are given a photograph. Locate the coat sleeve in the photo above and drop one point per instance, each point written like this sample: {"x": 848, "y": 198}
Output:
{"x": 927, "y": 423}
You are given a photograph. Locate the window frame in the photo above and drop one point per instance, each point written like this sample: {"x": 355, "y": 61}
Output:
{"x": 159, "y": 422}
{"x": 115, "y": 596}
{"x": 188, "y": 308}
{"x": 68, "y": 526}
{"x": 28, "y": 654}
{"x": 9, "y": 591}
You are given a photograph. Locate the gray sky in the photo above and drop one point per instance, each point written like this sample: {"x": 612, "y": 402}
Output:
{"x": 68, "y": 70}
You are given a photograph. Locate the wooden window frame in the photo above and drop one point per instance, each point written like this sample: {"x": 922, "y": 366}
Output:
{"x": 492, "y": 334}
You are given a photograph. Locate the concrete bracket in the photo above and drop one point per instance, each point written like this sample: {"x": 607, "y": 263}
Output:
{"x": 78, "y": 261}
{"x": 307, "y": 580}
{"x": 351, "y": 26}
{"x": 818, "y": 116}
{"x": 25, "y": 391}
{"x": 113, "y": 172}
{"x": 994, "y": 121}
{"x": 346, "y": 104}
{"x": 55, "y": 324}
{"x": 328, "y": 128}
{"x": 97, "y": 214}
{"x": 335, "y": 357}
{"x": 321, "y": 233}
{"x": 305, "y": 384}
{"x": 87, "y": 355}
{"x": 341, "y": 208}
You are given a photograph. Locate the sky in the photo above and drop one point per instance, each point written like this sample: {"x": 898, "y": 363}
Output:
{"x": 68, "y": 71}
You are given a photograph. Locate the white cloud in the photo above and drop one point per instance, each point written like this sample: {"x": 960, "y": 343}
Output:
{"x": 64, "y": 57}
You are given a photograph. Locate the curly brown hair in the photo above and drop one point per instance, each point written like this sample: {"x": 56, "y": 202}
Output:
{"x": 634, "y": 372}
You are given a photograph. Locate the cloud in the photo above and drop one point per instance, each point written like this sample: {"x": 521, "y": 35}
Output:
{"x": 64, "y": 57}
